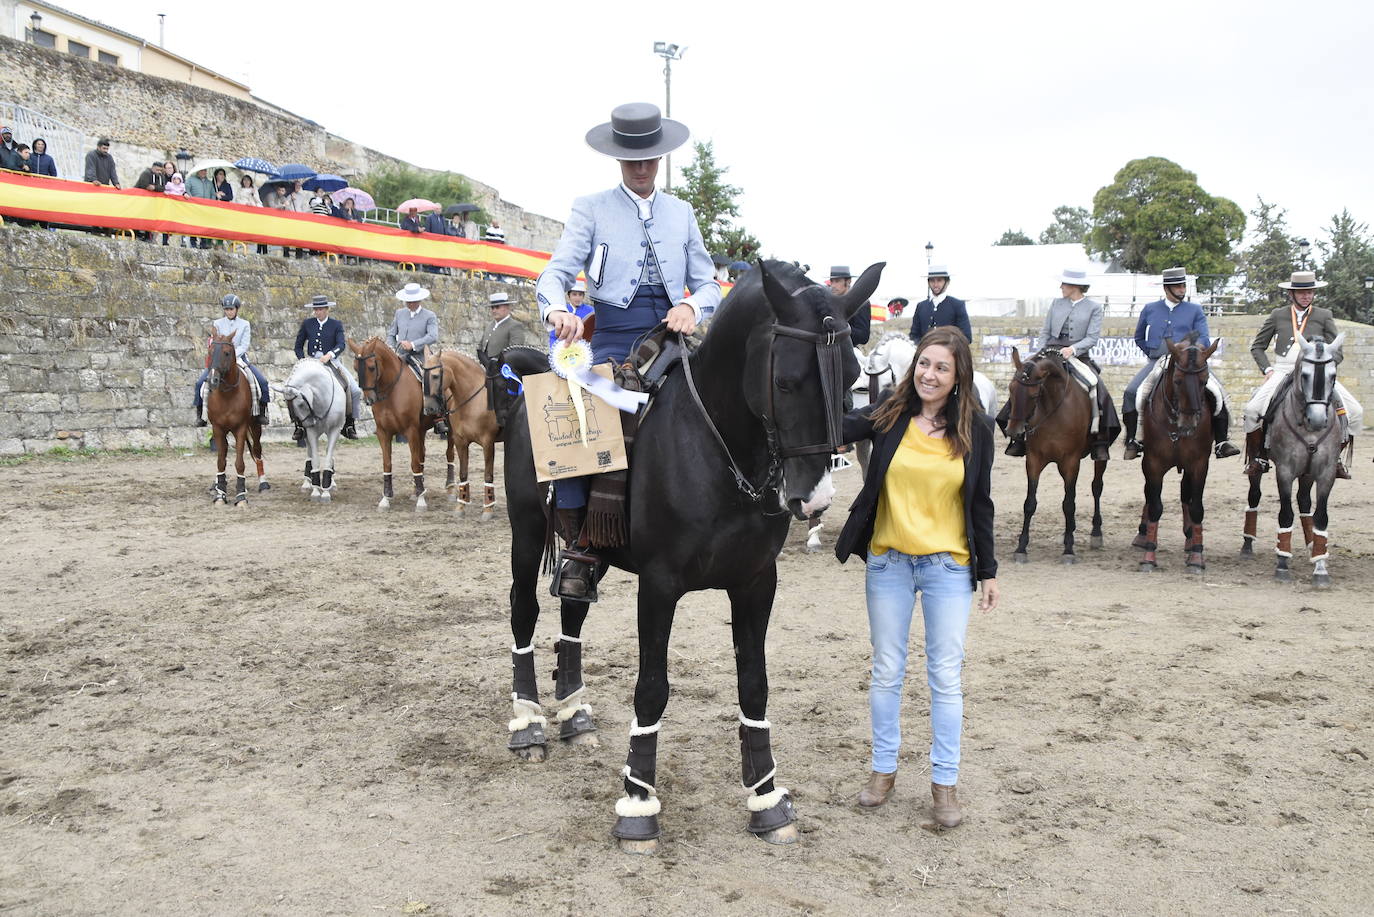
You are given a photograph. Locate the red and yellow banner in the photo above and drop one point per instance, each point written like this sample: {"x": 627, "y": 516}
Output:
{"x": 52, "y": 200}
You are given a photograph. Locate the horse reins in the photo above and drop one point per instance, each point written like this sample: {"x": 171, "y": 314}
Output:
{"x": 219, "y": 384}
{"x": 829, "y": 359}
{"x": 373, "y": 394}
{"x": 1325, "y": 400}
{"x": 1171, "y": 405}
{"x": 1028, "y": 383}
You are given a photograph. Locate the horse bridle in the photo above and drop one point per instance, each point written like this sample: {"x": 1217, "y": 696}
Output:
{"x": 1171, "y": 405}
{"x": 829, "y": 358}
{"x": 373, "y": 394}
{"x": 218, "y": 385}
{"x": 1026, "y": 382}
{"x": 1331, "y": 422}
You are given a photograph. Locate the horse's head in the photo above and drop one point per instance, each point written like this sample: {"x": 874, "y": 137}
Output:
{"x": 368, "y": 359}
{"x": 803, "y": 363}
{"x": 1028, "y": 384}
{"x": 1187, "y": 380}
{"x": 1316, "y": 378}
{"x": 223, "y": 361}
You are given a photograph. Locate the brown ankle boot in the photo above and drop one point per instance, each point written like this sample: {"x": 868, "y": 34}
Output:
{"x": 947, "y": 811}
{"x": 877, "y": 789}
{"x": 1255, "y": 461}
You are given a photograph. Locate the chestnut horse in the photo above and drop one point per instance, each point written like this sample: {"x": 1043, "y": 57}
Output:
{"x": 229, "y": 408}
{"x": 1055, "y": 413}
{"x": 397, "y": 398}
{"x": 1176, "y": 427}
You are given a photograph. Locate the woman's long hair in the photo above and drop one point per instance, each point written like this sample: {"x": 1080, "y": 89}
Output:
{"x": 961, "y": 404}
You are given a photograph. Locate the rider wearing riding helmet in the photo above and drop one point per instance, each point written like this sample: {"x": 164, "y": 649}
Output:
{"x": 1171, "y": 318}
{"x": 1282, "y": 326}
{"x": 242, "y": 332}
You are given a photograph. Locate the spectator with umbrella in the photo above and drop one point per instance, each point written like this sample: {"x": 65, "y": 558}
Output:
{"x": 463, "y": 227}
{"x": 247, "y": 195}
{"x": 362, "y": 201}
{"x": 253, "y": 164}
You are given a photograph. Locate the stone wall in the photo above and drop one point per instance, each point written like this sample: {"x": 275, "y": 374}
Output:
{"x": 101, "y": 340}
{"x": 147, "y": 116}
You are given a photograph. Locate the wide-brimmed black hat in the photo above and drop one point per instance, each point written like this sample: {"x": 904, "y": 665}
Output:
{"x": 841, "y": 272}
{"x": 637, "y": 130}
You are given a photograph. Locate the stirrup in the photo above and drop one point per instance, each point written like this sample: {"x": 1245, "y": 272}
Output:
{"x": 1100, "y": 453}
{"x": 1133, "y": 450}
{"x": 348, "y": 432}
{"x": 571, "y": 567}
{"x": 1225, "y": 449}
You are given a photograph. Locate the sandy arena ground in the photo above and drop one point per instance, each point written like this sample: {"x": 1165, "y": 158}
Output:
{"x": 298, "y": 709}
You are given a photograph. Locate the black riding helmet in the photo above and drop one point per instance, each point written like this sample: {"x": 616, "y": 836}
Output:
{"x": 231, "y": 302}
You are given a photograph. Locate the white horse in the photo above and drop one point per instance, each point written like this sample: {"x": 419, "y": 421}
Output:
{"x": 316, "y": 400}
{"x": 891, "y": 359}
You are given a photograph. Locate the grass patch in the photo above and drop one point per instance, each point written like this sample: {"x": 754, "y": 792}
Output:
{"x": 68, "y": 454}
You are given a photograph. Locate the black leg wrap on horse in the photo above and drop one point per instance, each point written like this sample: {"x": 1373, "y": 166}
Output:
{"x": 527, "y": 726}
{"x": 637, "y": 811}
{"x": 770, "y": 806}
{"x": 386, "y": 487}
{"x": 241, "y": 489}
{"x": 314, "y": 477}
{"x": 221, "y": 486}
{"x": 574, "y": 716}
{"x": 419, "y": 483}
{"x": 327, "y": 478}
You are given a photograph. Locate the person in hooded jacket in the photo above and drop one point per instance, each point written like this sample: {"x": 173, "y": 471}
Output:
{"x": 41, "y": 162}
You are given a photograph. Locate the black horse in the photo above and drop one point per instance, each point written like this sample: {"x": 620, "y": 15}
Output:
{"x": 738, "y": 435}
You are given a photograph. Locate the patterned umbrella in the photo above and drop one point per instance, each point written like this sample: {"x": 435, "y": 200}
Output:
{"x": 326, "y": 182}
{"x": 253, "y": 164}
{"x": 418, "y": 203}
{"x": 361, "y": 199}
{"x": 294, "y": 171}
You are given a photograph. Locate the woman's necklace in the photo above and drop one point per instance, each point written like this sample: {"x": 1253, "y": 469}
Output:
{"x": 935, "y": 423}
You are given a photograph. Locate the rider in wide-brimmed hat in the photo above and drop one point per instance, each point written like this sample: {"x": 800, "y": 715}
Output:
{"x": 413, "y": 329}
{"x": 1282, "y": 326}
{"x": 640, "y": 249}
{"x": 322, "y": 336}
{"x": 1172, "y": 318}
{"x": 939, "y": 308}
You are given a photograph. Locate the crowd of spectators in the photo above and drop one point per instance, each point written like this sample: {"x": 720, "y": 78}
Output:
{"x": 164, "y": 178}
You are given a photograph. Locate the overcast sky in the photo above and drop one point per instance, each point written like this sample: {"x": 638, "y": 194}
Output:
{"x": 858, "y": 131}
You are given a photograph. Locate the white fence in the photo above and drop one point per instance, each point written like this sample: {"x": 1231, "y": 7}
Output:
{"x": 66, "y": 144}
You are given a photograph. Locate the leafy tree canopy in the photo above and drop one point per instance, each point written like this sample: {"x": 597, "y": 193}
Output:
{"x": 1071, "y": 224}
{"x": 1347, "y": 258}
{"x": 1269, "y": 259}
{"x": 1014, "y": 237}
{"x": 714, "y": 201}
{"x": 392, "y": 183}
{"x": 1154, "y": 215}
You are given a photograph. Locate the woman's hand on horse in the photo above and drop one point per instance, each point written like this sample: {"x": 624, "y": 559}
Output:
{"x": 566, "y": 326}
{"x": 988, "y": 600}
{"x": 682, "y": 318}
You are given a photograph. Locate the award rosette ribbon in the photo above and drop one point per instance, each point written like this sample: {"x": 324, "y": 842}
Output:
{"x": 572, "y": 361}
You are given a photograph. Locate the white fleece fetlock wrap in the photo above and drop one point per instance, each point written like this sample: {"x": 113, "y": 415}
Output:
{"x": 756, "y": 802}
{"x": 570, "y": 705}
{"x": 632, "y": 806}
{"x": 527, "y": 713}
{"x": 766, "y": 801}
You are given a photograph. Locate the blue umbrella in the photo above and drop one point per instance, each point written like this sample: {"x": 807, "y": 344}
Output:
{"x": 325, "y": 182}
{"x": 294, "y": 171}
{"x": 253, "y": 164}
{"x": 740, "y": 266}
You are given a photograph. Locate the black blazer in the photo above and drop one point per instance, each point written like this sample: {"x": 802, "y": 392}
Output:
{"x": 315, "y": 338}
{"x": 978, "y": 510}
{"x": 951, "y": 311}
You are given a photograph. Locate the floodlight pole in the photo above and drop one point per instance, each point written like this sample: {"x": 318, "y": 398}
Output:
{"x": 669, "y": 53}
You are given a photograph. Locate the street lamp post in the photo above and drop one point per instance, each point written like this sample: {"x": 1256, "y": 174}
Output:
{"x": 1369, "y": 297}
{"x": 35, "y": 22}
{"x": 669, "y": 53}
{"x": 1303, "y": 248}
{"x": 930, "y": 249}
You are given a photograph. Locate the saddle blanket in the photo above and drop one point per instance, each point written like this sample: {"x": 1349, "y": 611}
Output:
{"x": 244, "y": 373}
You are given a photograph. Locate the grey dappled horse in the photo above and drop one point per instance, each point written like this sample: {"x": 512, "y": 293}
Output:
{"x": 1305, "y": 440}
{"x": 316, "y": 400}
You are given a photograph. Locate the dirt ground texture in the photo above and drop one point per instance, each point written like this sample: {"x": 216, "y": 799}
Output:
{"x": 301, "y": 709}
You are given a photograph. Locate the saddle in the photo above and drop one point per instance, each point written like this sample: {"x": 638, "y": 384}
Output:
{"x": 253, "y": 387}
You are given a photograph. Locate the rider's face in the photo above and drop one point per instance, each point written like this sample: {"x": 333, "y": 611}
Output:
{"x": 937, "y": 285}
{"x": 1303, "y": 298}
{"x": 1176, "y": 291}
{"x": 639, "y": 175}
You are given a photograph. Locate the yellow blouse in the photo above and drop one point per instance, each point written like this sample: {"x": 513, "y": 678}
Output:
{"x": 921, "y": 507}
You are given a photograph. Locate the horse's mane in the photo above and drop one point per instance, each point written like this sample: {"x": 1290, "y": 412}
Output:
{"x": 891, "y": 336}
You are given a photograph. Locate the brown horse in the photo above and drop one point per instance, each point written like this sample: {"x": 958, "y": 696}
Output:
{"x": 1176, "y": 427}
{"x": 1055, "y": 414}
{"x": 397, "y": 401}
{"x": 229, "y": 408}
{"x": 471, "y": 421}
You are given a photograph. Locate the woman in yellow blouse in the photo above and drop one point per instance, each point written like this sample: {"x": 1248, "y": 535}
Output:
{"x": 923, "y": 522}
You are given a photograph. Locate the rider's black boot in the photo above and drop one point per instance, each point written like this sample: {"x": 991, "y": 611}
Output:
{"x": 576, "y": 576}
{"x": 441, "y": 428}
{"x": 262, "y": 417}
{"x": 200, "y": 416}
{"x": 348, "y": 431}
{"x": 1221, "y": 423}
{"x": 1133, "y": 448}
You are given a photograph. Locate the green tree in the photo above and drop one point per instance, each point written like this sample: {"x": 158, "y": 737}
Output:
{"x": 1269, "y": 259}
{"x": 1014, "y": 237}
{"x": 392, "y": 183}
{"x": 1155, "y": 215}
{"x": 1347, "y": 258}
{"x": 714, "y": 201}
{"x": 1071, "y": 224}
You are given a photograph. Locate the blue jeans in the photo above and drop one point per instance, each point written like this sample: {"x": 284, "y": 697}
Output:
{"x": 892, "y": 583}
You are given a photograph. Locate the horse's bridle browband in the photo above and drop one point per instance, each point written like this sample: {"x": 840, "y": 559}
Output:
{"x": 830, "y": 359}
{"x": 372, "y": 394}
{"x": 221, "y": 386}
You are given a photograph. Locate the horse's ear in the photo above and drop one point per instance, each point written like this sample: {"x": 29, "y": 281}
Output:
{"x": 778, "y": 298}
{"x": 1207, "y": 354}
{"x": 1016, "y": 359}
{"x": 353, "y": 346}
{"x": 857, "y": 297}
{"x": 1336, "y": 344}
{"x": 1300, "y": 342}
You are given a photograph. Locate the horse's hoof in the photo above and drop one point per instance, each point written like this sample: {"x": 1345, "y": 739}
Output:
{"x": 241, "y": 504}
{"x": 1146, "y": 567}
{"x": 384, "y": 503}
{"x": 638, "y": 848}
{"x": 219, "y": 501}
{"x": 787, "y": 834}
{"x": 1246, "y": 549}
{"x": 1068, "y": 558}
{"x": 534, "y": 754}
{"x": 315, "y": 497}
{"x": 1095, "y": 541}
{"x": 1283, "y": 576}
{"x": 326, "y": 497}
{"x": 1020, "y": 558}
{"x": 487, "y": 516}
{"x": 1139, "y": 541}
{"x": 306, "y": 487}
{"x": 1321, "y": 580}
{"x": 264, "y": 487}
{"x": 1195, "y": 569}
{"x": 587, "y": 739}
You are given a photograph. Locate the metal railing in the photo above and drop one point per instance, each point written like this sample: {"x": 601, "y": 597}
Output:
{"x": 65, "y": 143}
